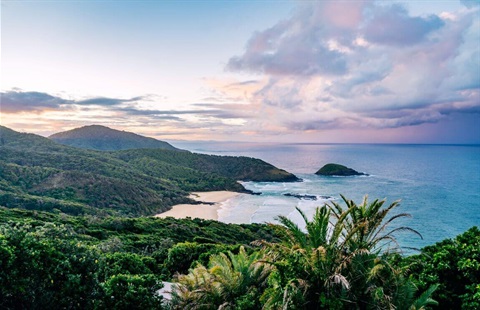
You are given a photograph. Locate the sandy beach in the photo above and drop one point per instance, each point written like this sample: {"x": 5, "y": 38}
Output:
{"x": 202, "y": 211}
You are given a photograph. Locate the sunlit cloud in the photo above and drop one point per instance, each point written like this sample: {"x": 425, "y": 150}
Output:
{"x": 380, "y": 68}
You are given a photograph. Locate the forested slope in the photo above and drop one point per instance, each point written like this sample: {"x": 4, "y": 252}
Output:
{"x": 37, "y": 173}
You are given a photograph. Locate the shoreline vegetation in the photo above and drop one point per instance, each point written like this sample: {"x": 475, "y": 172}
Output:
{"x": 61, "y": 261}
{"x": 207, "y": 209}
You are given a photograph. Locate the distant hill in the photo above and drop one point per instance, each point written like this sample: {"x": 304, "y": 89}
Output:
{"x": 97, "y": 137}
{"x": 39, "y": 174}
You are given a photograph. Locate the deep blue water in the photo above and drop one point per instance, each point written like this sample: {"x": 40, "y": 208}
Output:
{"x": 439, "y": 185}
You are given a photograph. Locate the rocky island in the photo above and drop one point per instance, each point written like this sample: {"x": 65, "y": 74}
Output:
{"x": 337, "y": 170}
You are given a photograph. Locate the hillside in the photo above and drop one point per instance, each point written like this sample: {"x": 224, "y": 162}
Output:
{"x": 52, "y": 261}
{"x": 238, "y": 168}
{"x": 97, "y": 137}
{"x": 40, "y": 174}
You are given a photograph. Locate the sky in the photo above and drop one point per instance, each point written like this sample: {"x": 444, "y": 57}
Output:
{"x": 266, "y": 71}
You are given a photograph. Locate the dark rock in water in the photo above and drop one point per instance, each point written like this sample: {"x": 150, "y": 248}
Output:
{"x": 247, "y": 191}
{"x": 337, "y": 170}
{"x": 325, "y": 197}
{"x": 306, "y": 197}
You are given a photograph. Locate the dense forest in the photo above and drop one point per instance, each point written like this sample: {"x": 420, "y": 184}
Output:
{"x": 39, "y": 174}
{"x": 52, "y": 261}
{"x": 59, "y": 261}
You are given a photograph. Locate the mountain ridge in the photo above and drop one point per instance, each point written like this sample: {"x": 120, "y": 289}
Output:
{"x": 102, "y": 138}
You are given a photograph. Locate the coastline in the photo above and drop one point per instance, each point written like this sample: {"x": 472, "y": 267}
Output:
{"x": 206, "y": 211}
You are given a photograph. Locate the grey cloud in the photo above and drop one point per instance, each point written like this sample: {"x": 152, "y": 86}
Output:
{"x": 310, "y": 125}
{"x": 367, "y": 72}
{"x": 297, "y": 46}
{"x": 465, "y": 110}
{"x": 413, "y": 119}
{"x": 21, "y": 101}
{"x": 380, "y": 90}
{"x": 18, "y": 101}
{"x": 102, "y": 101}
{"x": 207, "y": 105}
{"x": 393, "y": 26}
{"x": 135, "y": 111}
{"x": 211, "y": 99}
{"x": 227, "y": 110}
{"x": 276, "y": 95}
{"x": 291, "y": 59}
{"x": 221, "y": 112}
{"x": 250, "y": 82}
{"x": 390, "y": 114}
{"x": 154, "y": 115}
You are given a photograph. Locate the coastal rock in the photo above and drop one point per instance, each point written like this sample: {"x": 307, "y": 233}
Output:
{"x": 305, "y": 197}
{"x": 337, "y": 170}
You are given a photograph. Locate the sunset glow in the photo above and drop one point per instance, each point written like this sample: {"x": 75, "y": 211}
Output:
{"x": 287, "y": 71}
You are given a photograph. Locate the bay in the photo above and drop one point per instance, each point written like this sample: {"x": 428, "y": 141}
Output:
{"x": 439, "y": 185}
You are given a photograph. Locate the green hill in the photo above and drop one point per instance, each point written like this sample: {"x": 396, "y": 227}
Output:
{"x": 39, "y": 174}
{"x": 337, "y": 170}
{"x": 97, "y": 137}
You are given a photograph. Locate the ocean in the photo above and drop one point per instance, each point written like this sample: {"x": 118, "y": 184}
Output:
{"x": 439, "y": 185}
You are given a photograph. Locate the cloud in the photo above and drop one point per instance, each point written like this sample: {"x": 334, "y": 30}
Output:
{"x": 220, "y": 111}
{"x": 31, "y": 101}
{"x": 302, "y": 44}
{"x": 331, "y": 66}
{"x": 102, "y": 101}
{"x": 19, "y": 101}
{"x": 391, "y": 25}
{"x": 363, "y": 64}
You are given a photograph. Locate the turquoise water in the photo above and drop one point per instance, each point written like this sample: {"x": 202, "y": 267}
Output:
{"x": 439, "y": 185}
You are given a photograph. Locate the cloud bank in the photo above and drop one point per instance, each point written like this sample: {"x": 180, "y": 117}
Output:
{"x": 47, "y": 114}
{"x": 365, "y": 64}
{"x": 18, "y": 101}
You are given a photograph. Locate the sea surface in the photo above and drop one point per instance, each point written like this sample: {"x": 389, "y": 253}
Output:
{"x": 439, "y": 185}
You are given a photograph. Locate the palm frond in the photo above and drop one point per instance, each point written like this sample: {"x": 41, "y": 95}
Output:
{"x": 425, "y": 298}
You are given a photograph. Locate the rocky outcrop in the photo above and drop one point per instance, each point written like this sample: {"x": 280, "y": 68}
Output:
{"x": 337, "y": 170}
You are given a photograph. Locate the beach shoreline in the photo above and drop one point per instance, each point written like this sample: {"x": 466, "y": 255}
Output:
{"x": 207, "y": 210}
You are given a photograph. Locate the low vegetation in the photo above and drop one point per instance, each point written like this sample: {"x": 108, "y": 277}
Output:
{"x": 50, "y": 261}
{"x": 455, "y": 265}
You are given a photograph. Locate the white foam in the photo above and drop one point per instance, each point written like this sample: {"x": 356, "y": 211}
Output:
{"x": 272, "y": 202}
